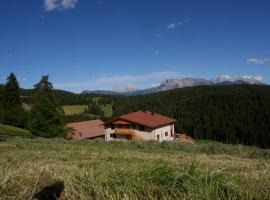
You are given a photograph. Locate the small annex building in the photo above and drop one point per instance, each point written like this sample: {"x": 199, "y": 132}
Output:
{"x": 86, "y": 130}
{"x": 140, "y": 125}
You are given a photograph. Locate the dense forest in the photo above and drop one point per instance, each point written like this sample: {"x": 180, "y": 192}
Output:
{"x": 232, "y": 114}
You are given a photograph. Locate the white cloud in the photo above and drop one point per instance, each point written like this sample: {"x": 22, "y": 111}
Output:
{"x": 224, "y": 77}
{"x": 257, "y": 61}
{"x": 112, "y": 82}
{"x": 247, "y": 77}
{"x": 154, "y": 84}
{"x": 51, "y": 5}
{"x": 175, "y": 24}
{"x": 252, "y": 79}
{"x": 258, "y": 78}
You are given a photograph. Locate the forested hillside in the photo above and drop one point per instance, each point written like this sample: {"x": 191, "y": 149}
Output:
{"x": 233, "y": 114}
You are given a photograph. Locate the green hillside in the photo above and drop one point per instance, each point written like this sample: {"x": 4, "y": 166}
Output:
{"x": 232, "y": 114}
{"x": 13, "y": 131}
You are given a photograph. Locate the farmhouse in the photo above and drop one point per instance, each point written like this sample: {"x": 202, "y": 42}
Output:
{"x": 86, "y": 130}
{"x": 140, "y": 125}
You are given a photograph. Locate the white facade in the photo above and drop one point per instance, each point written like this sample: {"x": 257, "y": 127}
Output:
{"x": 162, "y": 133}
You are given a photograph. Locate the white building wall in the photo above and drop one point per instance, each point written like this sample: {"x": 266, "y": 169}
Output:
{"x": 161, "y": 132}
{"x": 148, "y": 134}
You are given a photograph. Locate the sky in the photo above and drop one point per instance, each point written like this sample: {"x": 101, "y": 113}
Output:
{"x": 114, "y": 44}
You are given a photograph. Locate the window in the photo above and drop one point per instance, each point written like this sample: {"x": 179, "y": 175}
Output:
{"x": 166, "y": 134}
{"x": 113, "y": 135}
{"x": 142, "y": 128}
{"x": 112, "y": 126}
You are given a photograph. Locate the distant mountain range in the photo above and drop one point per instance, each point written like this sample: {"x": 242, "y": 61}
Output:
{"x": 171, "y": 84}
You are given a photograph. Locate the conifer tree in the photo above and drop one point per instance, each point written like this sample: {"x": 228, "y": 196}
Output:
{"x": 13, "y": 113}
{"x": 1, "y": 102}
{"x": 46, "y": 117}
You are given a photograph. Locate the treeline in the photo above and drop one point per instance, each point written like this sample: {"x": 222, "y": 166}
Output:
{"x": 63, "y": 97}
{"x": 231, "y": 114}
{"x": 46, "y": 117}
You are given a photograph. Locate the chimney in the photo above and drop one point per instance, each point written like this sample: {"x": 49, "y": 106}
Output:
{"x": 144, "y": 110}
{"x": 152, "y": 113}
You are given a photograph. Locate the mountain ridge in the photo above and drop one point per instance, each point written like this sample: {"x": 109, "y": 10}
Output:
{"x": 171, "y": 84}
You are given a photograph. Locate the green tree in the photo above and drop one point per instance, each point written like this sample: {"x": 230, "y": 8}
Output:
{"x": 46, "y": 117}
{"x": 95, "y": 109}
{"x": 13, "y": 113}
{"x": 1, "y": 102}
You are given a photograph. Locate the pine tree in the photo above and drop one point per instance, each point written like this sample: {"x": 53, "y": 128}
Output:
{"x": 1, "y": 102}
{"x": 13, "y": 113}
{"x": 46, "y": 117}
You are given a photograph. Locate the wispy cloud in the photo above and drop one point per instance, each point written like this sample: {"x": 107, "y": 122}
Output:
{"x": 257, "y": 61}
{"x": 179, "y": 23}
{"x": 51, "y": 5}
{"x": 112, "y": 82}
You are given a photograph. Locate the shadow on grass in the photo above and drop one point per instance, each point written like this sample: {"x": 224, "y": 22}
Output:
{"x": 51, "y": 192}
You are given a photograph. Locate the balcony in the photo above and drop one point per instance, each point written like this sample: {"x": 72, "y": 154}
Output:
{"x": 127, "y": 133}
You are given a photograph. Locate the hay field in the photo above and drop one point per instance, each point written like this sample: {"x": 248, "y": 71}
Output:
{"x": 133, "y": 170}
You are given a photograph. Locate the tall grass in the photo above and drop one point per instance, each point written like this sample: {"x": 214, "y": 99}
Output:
{"x": 133, "y": 170}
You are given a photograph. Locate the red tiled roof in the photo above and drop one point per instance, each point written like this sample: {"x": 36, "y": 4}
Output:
{"x": 86, "y": 129}
{"x": 145, "y": 118}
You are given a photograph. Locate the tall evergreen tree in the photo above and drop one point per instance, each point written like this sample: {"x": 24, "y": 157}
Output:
{"x": 46, "y": 117}
{"x": 13, "y": 113}
{"x": 1, "y": 102}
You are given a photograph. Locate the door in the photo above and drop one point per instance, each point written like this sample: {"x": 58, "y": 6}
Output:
{"x": 158, "y": 138}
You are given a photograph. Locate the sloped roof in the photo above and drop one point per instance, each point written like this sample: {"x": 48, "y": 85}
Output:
{"x": 86, "y": 129}
{"x": 145, "y": 118}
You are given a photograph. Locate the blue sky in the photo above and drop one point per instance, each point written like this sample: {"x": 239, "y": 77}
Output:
{"x": 108, "y": 44}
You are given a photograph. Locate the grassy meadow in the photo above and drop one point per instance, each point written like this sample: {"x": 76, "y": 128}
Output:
{"x": 13, "y": 131}
{"x": 107, "y": 110}
{"x": 74, "y": 109}
{"x": 133, "y": 170}
{"x": 78, "y": 109}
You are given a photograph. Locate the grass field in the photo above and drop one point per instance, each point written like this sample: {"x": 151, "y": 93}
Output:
{"x": 134, "y": 170}
{"x": 77, "y": 109}
{"x": 27, "y": 107}
{"x": 74, "y": 109}
{"x": 13, "y": 131}
{"x": 107, "y": 110}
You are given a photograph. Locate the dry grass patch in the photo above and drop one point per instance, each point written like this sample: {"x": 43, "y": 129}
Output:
{"x": 132, "y": 170}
